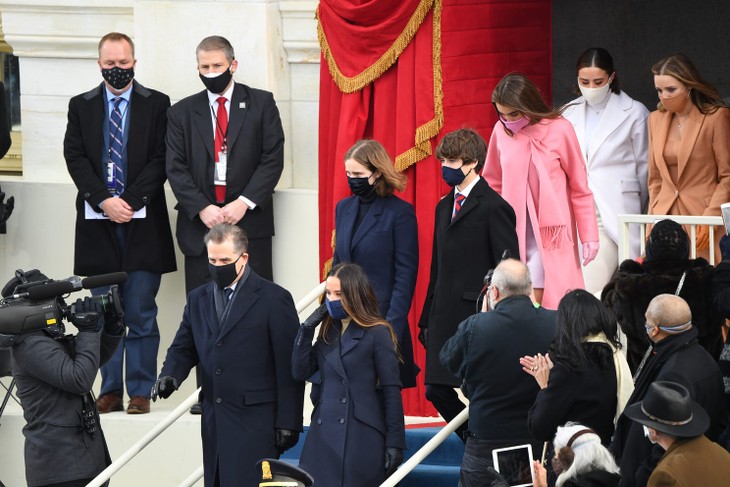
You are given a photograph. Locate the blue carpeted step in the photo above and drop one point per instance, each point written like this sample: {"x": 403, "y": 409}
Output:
{"x": 426, "y": 475}
{"x": 439, "y": 469}
{"x": 450, "y": 452}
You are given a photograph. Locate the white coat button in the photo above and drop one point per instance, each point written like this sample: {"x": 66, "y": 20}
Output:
{"x": 219, "y": 400}
{"x": 342, "y": 421}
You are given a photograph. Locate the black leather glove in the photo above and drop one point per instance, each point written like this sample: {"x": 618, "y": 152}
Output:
{"x": 725, "y": 247}
{"x": 316, "y": 317}
{"x": 6, "y": 209}
{"x": 85, "y": 315}
{"x": 393, "y": 458}
{"x": 286, "y": 439}
{"x": 423, "y": 336}
{"x": 113, "y": 324}
{"x": 164, "y": 387}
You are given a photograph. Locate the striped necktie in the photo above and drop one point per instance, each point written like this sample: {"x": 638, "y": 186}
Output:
{"x": 115, "y": 177}
{"x": 458, "y": 201}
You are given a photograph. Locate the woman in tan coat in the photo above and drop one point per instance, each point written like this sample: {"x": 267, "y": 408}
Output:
{"x": 689, "y": 146}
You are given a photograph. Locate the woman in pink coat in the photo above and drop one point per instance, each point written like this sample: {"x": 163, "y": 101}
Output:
{"x": 534, "y": 161}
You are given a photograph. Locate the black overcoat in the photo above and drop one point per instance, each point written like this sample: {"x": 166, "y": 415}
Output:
{"x": 634, "y": 285}
{"x": 247, "y": 388}
{"x": 148, "y": 241}
{"x": 464, "y": 250}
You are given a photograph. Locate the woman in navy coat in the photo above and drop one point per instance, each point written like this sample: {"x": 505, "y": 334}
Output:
{"x": 356, "y": 437}
{"x": 378, "y": 231}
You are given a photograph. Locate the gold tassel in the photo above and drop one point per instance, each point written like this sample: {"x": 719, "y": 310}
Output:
{"x": 430, "y": 129}
{"x": 374, "y": 71}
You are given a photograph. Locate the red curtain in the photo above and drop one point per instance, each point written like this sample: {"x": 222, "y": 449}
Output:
{"x": 404, "y": 73}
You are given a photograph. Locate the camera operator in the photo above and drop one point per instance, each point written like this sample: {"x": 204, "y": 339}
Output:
{"x": 64, "y": 444}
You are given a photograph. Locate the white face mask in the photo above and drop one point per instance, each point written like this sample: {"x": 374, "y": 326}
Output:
{"x": 594, "y": 96}
{"x": 647, "y": 433}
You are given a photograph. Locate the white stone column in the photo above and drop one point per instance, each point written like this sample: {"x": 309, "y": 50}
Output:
{"x": 57, "y": 46}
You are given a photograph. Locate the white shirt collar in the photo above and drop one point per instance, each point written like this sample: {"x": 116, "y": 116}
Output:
{"x": 469, "y": 187}
{"x": 228, "y": 94}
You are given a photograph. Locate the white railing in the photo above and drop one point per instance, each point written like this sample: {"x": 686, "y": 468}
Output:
{"x": 128, "y": 455}
{"x": 426, "y": 449}
{"x": 624, "y": 221}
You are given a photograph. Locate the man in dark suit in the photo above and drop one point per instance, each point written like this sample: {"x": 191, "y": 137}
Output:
{"x": 485, "y": 353}
{"x": 115, "y": 153}
{"x": 225, "y": 154}
{"x": 240, "y": 329}
{"x": 473, "y": 228}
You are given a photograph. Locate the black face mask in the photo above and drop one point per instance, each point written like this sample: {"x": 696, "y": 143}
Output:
{"x": 217, "y": 84}
{"x": 118, "y": 77}
{"x": 361, "y": 187}
{"x": 224, "y": 275}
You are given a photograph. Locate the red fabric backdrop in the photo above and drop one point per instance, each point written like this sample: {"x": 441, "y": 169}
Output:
{"x": 407, "y": 95}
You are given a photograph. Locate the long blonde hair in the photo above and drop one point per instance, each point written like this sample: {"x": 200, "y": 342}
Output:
{"x": 703, "y": 95}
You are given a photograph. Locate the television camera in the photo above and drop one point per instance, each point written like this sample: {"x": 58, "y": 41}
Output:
{"x": 38, "y": 304}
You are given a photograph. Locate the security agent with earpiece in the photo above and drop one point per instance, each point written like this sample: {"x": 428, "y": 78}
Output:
{"x": 54, "y": 373}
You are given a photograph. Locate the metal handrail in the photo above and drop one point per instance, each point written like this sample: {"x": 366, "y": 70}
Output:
{"x": 625, "y": 220}
{"x": 128, "y": 455}
{"x": 426, "y": 449}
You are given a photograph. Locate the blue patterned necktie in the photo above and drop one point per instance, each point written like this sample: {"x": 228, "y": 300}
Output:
{"x": 116, "y": 175}
{"x": 228, "y": 292}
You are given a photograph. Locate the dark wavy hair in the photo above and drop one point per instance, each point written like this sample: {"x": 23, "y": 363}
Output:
{"x": 597, "y": 57}
{"x": 358, "y": 300}
{"x": 580, "y": 315}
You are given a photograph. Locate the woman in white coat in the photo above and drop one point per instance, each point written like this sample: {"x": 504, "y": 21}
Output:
{"x": 612, "y": 132}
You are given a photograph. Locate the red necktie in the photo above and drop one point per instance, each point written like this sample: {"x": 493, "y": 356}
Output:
{"x": 458, "y": 200}
{"x": 221, "y": 130}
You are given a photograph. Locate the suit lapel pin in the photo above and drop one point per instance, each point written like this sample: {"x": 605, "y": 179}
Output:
{"x": 242, "y": 104}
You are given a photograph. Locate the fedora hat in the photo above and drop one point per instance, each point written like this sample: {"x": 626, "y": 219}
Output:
{"x": 668, "y": 407}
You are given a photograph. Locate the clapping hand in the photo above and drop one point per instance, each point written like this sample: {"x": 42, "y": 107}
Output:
{"x": 538, "y": 366}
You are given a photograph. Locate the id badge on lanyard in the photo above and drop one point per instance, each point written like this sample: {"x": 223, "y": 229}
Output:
{"x": 219, "y": 178}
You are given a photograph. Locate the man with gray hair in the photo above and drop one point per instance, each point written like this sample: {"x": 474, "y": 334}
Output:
{"x": 676, "y": 356}
{"x": 485, "y": 353}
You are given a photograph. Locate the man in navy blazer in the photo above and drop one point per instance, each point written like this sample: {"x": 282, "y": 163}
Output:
{"x": 240, "y": 330}
{"x": 121, "y": 212}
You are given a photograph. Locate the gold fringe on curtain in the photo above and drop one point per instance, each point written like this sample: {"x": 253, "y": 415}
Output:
{"x": 430, "y": 129}
{"x": 374, "y": 71}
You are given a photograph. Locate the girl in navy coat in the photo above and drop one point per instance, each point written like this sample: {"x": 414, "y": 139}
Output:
{"x": 356, "y": 436}
{"x": 378, "y": 231}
